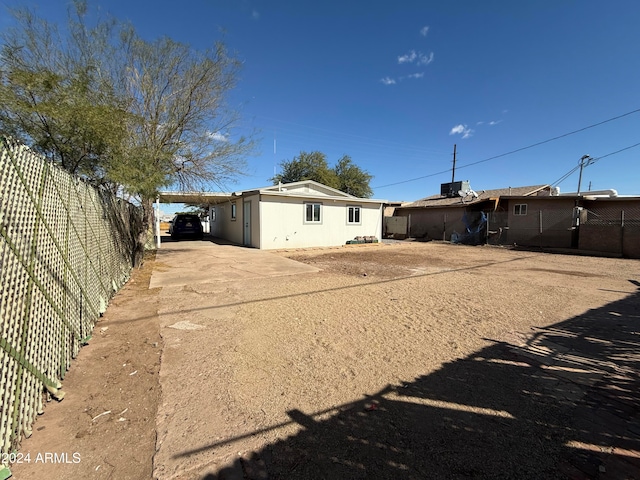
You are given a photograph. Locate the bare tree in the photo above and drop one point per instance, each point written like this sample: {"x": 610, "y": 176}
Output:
{"x": 134, "y": 114}
{"x": 180, "y": 125}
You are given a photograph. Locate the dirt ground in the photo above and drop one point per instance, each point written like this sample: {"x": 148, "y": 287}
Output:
{"x": 105, "y": 426}
{"x": 393, "y": 361}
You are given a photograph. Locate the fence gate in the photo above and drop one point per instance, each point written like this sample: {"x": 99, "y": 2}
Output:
{"x": 396, "y": 226}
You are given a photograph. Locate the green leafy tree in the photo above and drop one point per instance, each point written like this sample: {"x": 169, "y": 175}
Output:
{"x": 306, "y": 166}
{"x": 55, "y": 98}
{"x": 353, "y": 180}
{"x": 132, "y": 114}
{"x": 345, "y": 175}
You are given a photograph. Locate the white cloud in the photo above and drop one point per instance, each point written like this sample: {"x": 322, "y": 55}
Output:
{"x": 255, "y": 14}
{"x": 416, "y": 75}
{"x": 424, "y": 59}
{"x": 218, "y": 136}
{"x": 494, "y": 122}
{"x": 424, "y": 30}
{"x": 461, "y": 129}
{"x": 388, "y": 81}
{"x": 418, "y": 57}
{"x": 408, "y": 58}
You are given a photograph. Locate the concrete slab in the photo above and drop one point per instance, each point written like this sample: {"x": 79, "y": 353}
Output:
{"x": 191, "y": 262}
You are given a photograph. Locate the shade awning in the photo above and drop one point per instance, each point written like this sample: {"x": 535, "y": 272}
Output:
{"x": 197, "y": 198}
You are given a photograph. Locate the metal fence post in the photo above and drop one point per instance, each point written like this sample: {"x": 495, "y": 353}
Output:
{"x": 540, "y": 228}
{"x": 622, "y": 232}
{"x": 487, "y": 231}
{"x": 444, "y": 227}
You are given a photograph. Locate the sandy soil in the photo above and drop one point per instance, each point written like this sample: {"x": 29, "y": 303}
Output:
{"x": 105, "y": 426}
{"x": 392, "y": 362}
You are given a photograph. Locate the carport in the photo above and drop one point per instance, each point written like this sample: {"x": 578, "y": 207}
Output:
{"x": 200, "y": 198}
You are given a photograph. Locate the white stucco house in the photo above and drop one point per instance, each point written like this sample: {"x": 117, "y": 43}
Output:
{"x": 294, "y": 215}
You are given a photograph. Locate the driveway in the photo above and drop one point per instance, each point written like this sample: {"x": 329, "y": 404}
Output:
{"x": 204, "y": 285}
{"x": 191, "y": 262}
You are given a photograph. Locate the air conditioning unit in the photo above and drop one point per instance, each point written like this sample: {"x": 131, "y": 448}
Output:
{"x": 451, "y": 189}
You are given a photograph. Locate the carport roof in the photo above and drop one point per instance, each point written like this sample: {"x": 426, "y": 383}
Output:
{"x": 208, "y": 198}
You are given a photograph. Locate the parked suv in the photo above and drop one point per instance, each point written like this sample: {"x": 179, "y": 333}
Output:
{"x": 186, "y": 225}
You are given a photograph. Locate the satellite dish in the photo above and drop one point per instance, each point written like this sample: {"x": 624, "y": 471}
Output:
{"x": 462, "y": 193}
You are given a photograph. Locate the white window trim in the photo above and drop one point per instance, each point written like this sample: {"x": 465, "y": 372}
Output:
{"x": 234, "y": 211}
{"x": 304, "y": 214}
{"x": 354, "y": 207}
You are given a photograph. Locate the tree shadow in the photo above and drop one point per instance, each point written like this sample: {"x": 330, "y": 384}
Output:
{"x": 562, "y": 403}
{"x": 207, "y": 238}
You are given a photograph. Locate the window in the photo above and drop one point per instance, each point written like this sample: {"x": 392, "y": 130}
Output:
{"x": 213, "y": 214}
{"x": 353, "y": 215}
{"x": 520, "y": 209}
{"x": 233, "y": 211}
{"x": 312, "y": 213}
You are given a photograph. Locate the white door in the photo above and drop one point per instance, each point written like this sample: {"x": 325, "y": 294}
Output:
{"x": 246, "y": 218}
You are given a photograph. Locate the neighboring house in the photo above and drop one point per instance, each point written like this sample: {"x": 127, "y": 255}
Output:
{"x": 438, "y": 217}
{"x": 295, "y": 215}
{"x": 541, "y": 219}
{"x": 537, "y": 216}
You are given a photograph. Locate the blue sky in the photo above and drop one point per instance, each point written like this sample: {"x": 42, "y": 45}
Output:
{"x": 396, "y": 84}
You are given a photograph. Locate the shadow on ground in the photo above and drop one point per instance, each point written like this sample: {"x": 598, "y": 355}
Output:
{"x": 563, "y": 403}
{"x": 207, "y": 238}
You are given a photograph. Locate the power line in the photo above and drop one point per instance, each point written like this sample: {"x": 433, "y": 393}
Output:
{"x": 593, "y": 160}
{"x": 565, "y": 176}
{"x": 526, "y": 148}
{"x": 617, "y": 151}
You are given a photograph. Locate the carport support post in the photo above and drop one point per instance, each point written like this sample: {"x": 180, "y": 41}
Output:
{"x": 157, "y": 222}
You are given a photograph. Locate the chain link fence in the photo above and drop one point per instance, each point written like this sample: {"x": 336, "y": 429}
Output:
{"x": 540, "y": 228}
{"x": 65, "y": 249}
{"x": 611, "y": 215}
{"x": 611, "y": 228}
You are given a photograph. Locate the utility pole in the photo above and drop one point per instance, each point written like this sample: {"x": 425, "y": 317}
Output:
{"x": 453, "y": 172}
{"x": 583, "y": 164}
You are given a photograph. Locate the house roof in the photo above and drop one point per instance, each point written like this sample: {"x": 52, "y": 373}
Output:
{"x": 483, "y": 195}
{"x": 303, "y": 188}
{"x": 307, "y": 189}
{"x": 299, "y": 187}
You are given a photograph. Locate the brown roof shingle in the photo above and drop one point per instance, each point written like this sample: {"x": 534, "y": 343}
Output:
{"x": 439, "y": 201}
